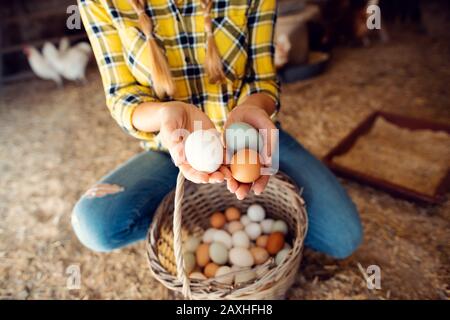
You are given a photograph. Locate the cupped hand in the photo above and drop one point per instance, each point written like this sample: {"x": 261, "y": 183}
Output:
{"x": 178, "y": 119}
{"x": 258, "y": 118}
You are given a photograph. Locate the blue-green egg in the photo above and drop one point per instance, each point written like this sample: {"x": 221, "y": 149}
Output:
{"x": 241, "y": 135}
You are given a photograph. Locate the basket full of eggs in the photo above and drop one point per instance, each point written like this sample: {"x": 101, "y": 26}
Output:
{"x": 206, "y": 244}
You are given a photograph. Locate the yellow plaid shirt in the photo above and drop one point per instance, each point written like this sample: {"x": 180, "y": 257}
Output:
{"x": 243, "y": 31}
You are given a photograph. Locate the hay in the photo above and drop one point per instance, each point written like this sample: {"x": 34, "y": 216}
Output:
{"x": 56, "y": 143}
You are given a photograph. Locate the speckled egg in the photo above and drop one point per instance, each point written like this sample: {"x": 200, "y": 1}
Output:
{"x": 245, "y": 220}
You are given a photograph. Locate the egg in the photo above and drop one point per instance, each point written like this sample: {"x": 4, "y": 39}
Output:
{"x": 197, "y": 276}
{"x": 275, "y": 242}
{"x": 232, "y": 214}
{"x": 191, "y": 244}
{"x": 266, "y": 225}
{"x": 245, "y": 166}
{"x": 240, "y": 135}
{"x": 218, "y": 253}
{"x": 208, "y": 236}
{"x": 202, "y": 254}
{"x": 244, "y": 276}
{"x": 241, "y": 257}
{"x": 234, "y": 226}
{"x": 189, "y": 262}
{"x": 240, "y": 239}
{"x": 253, "y": 230}
{"x": 281, "y": 255}
{"x": 217, "y": 220}
{"x": 210, "y": 270}
{"x": 245, "y": 220}
{"x": 280, "y": 226}
{"x": 256, "y": 213}
{"x": 223, "y": 237}
{"x": 204, "y": 150}
{"x": 224, "y": 275}
{"x": 260, "y": 255}
{"x": 261, "y": 241}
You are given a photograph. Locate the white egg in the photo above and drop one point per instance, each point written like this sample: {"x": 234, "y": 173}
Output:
{"x": 241, "y": 257}
{"x": 241, "y": 135}
{"x": 197, "y": 276}
{"x": 191, "y": 244}
{"x": 240, "y": 239}
{"x": 208, "y": 236}
{"x": 224, "y": 275}
{"x": 253, "y": 230}
{"x": 244, "y": 276}
{"x": 204, "y": 150}
{"x": 223, "y": 237}
{"x": 245, "y": 220}
{"x": 281, "y": 255}
{"x": 256, "y": 213}
{"x": 266, "y": 226}
{"x": 280, "y": 226}
{"x": 218, "y": 253}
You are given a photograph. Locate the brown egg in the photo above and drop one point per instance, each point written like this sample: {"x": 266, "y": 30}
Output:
{"x": 202, "y": 254}
{"x": 217, "y": 220}
{"x": 261, "y": 241}
{"x": 210, "y": 270}
{"x": 232, "y": 214}
{"x": 245, "y": 166}
{"x": 275, "y": 242}
{"x": 260, "y": 255}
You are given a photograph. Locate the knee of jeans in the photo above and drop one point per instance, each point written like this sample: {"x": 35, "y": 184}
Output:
{"x": 346, "y": 244}
{"x": 89, "y": 228}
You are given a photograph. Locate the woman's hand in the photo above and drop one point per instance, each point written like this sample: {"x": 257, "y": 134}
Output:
{"x": 178, "y": 119}
{"x": 255, "y": 111}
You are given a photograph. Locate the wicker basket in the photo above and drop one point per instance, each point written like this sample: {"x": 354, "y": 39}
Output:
{"x": 194, "y": 204}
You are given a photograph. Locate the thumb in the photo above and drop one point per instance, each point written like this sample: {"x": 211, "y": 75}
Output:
{"x": 173, "y": 139}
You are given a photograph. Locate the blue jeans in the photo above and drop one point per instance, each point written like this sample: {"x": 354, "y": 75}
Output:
{"x": 121, "y": 218}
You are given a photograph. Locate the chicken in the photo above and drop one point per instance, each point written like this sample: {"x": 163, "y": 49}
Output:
{"x": 69, "y": 62}
{"x": 40, "y": 65}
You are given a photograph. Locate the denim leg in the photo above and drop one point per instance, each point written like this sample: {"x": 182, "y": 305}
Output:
{"x": 334, "y": 223}
{"x": 104, "y": 223}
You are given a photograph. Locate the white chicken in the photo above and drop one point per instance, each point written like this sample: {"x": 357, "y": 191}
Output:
{"x": 40, "y": 66}
{"x": 69, "y": 62}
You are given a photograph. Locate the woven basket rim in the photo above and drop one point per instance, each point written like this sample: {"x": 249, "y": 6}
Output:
{"x": 212, "y": 289}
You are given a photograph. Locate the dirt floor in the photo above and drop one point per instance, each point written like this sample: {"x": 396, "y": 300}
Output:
{"x": 56, "y": 143}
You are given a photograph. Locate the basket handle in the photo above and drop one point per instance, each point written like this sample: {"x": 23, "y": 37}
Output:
{"x": 177, "y": 241}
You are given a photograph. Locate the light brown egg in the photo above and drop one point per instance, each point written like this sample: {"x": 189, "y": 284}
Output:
{"x": 234, "y": 226}
{"x": 260, "y": 255}
{"x": 232, "y": 214}
{"x": 217, "y": 220}
{"x": 210, "y": 270}
{"x": 261, "y": 241}
{"x": 202, "y": 254}
{"x": 275, "y": 242}
{"x": 245, "y": 166}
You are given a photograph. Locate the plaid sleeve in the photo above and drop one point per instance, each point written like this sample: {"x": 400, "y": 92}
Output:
{"x": 261, "y": 75}
{"x": 123, "y": 93}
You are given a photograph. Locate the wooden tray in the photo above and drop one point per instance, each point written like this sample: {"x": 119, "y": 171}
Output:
{"x": 406, "y": 122}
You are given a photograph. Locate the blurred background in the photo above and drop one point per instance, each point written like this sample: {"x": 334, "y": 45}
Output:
{"x": 57, "y": 139}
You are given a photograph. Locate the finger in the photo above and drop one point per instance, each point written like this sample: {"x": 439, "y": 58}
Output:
{"x": 216, "y": 177}
{"x": 268, "y": 131}
{"x": 260, "y": 184}
{"x": 226, "y": 172}
{"x": 177, "y": 153}
{"x": 193, "y": 175}
{"x": 232, "y": 185}
{"x": 243, "y": 191}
